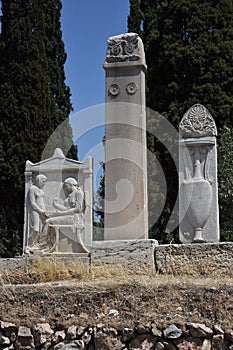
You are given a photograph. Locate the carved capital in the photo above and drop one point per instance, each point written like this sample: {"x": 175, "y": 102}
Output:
{"x": 125, "y": 48}
{"x": 197, "y": 122}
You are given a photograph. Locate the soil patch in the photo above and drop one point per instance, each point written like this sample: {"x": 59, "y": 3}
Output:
{"x": 161, "y": 300}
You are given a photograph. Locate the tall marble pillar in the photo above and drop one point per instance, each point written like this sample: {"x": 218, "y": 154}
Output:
{"x": 198, "y": 195}
{"x": 126, "y": 213}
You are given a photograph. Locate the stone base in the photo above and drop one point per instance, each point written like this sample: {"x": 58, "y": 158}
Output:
{"x": 135, "y": 255}
{"x": 7, "y": 265}
{"x": 145, "y": 256}
{"x": 195, "y": 259}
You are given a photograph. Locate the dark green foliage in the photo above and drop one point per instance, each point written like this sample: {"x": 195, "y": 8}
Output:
{"x": 189, "y": 49}
{"x": 99, "y": 205}
{"x": 225, "y": 181}
{"x": 98, "y": 225}
{"x": 189, "y": 46}
{"x": 135, "y": 17}
{"x": 56, "y": 57}
{"x": 29, "y": 107}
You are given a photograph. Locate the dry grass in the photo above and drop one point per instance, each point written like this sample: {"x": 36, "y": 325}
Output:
{"x": 44, "y": 270}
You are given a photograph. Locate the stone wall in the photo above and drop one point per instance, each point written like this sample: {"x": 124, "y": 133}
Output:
{"x": 213, "y": 258}
{"x": 9, "y": 264}
{"x": 95, "y": 334}
{"x": 99, "y": 337}
{"x": 133, "y": 255}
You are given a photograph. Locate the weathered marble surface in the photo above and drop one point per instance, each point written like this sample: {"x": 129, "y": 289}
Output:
{"x": 134, "y": 255}
{"x": 145, "y": 256}
{"x": 215, "y": 259}
{"x": 198, "y": 188}
{"x": 58, "y": 205}
{"x": 126, "y": 213}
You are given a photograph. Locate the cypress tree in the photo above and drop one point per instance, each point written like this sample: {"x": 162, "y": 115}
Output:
{"x": 189, "y": 47}
{"x": 27, "y": 108}
{"x": 56, "y": 56}
{"x": 225, "y": 183}
{"x": 135, "y": 17}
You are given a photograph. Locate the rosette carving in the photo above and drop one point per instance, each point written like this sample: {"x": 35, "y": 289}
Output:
{"x": 114, "y": 90}
{"x": 131, "y": 88}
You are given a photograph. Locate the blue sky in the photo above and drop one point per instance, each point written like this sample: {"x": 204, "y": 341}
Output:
{"x": 86, "y": 26}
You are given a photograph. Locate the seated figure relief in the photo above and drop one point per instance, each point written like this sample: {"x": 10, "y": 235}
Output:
{"x": 47, "y": 225}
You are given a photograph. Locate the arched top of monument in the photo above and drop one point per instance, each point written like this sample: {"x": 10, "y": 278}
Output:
{"x": 58, "y": 153}
{"x": 125, "y": 49}
{"x": 197, "y": 122}
{"x": 59, "y": 162}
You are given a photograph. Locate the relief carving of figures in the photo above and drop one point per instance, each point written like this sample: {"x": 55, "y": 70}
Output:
{"x": 37, "y": 208}
{"x": 68, "y": 214}
{"x": 123, "y": 48}
{"x": 197, "y": 121}
{"x": 57, "y": 218}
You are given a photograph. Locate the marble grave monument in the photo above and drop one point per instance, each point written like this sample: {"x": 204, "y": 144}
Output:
{"x": 198, "y": 191}
{"x": 58, "y": 205}
{"x": 126, "y": 212}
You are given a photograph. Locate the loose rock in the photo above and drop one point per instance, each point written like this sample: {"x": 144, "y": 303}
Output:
{"x": 143, "y": 342}
{"x": 24, "y": 339}
{"x": 58, "y": 337}
{"x": 157, "y": 332}
{"x": 4, "y": 340}
{"x": 229, "y": 334}
{"x": 113, "y": 313}
{"x": 168, "y": 345}
{"x": 127, "y": 334}
{"x": 76, "y": 344}
{"x": 172, "y": 332}
{"x": 71, "y": 332}
{"x": 217, "y": 342}
{"x": 199, "y": 330}
{"x": 42, "y": 333}
{"x": 189, "y": 344}
{"x": 104, "y": 342}
{"x": 159, "y": 346}
{"x": 8, "y": 326}
{"x": 206, "y": 345}
{"x": 86, "y": 338}
{"x": 218, "y": 329}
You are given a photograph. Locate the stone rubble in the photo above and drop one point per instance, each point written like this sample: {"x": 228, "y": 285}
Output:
{"x": 172, "y": 332}
{"x": 192, "y": 336}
